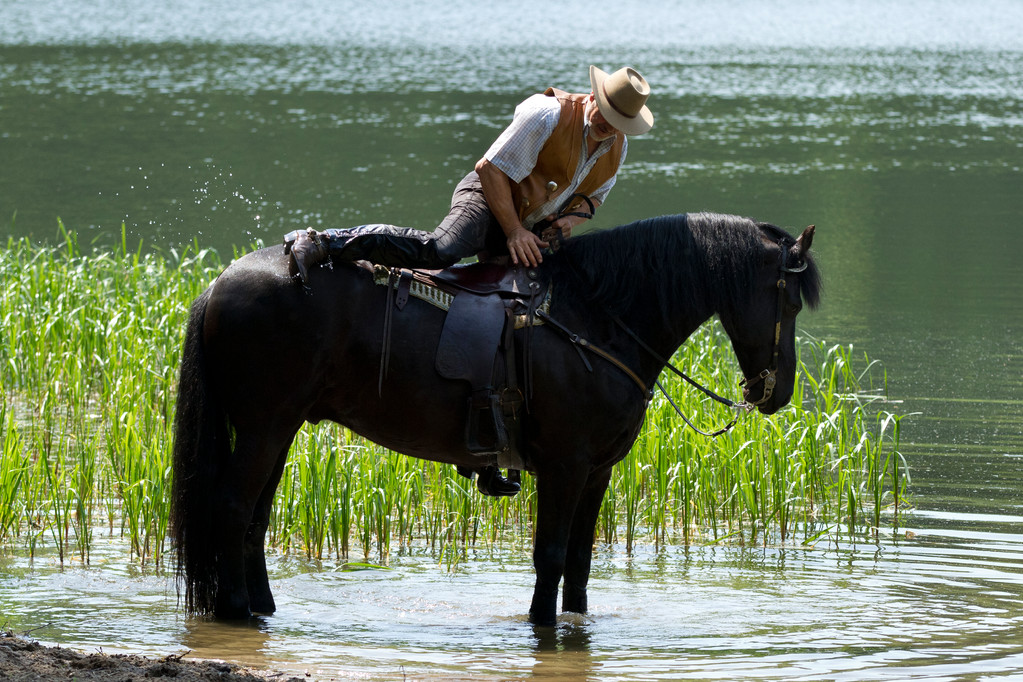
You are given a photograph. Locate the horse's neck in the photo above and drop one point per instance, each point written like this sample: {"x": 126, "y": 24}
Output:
{"x": 656, "y": 313}
{"x": 658, "y": 342}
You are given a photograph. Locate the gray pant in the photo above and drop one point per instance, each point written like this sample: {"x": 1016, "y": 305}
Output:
{"x": 468, "y": 229}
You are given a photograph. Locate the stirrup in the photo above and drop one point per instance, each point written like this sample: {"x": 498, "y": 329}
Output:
{"x": 486, "y": 402}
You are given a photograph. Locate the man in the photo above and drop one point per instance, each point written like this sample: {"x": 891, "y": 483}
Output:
{"x": 557, "y": 146}
{"x": 561, "y": 150}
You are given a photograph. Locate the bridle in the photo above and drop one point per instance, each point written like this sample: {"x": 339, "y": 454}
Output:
{"x": 768, "y": 376}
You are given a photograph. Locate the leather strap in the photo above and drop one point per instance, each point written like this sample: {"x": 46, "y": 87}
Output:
{"x": 404, "y": 284}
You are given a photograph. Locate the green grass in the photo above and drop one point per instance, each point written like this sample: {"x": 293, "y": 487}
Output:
{"x": 88, "y": 370}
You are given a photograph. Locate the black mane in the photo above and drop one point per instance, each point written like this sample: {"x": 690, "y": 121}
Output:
{"x": 709, "y": 259}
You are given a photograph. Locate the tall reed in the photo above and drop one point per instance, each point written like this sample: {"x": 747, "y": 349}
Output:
{"x": 88, "y": 370}
{"x": 89, "y": 347}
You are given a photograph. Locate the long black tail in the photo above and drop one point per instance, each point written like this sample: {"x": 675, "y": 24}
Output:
{"x": 201, "y": 441}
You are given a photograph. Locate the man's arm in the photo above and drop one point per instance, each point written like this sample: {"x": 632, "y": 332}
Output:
{"x": 523, "y": 245}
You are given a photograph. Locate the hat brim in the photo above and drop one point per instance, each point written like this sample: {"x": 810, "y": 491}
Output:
{"x": 637, "y": 125}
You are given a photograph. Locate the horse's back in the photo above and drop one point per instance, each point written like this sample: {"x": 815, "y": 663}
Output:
{"x": 283, "y": 351}
{"x": 259, "y": 294}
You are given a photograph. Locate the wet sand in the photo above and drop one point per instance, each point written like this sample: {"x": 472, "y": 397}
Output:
{"x": 24, "y": 659}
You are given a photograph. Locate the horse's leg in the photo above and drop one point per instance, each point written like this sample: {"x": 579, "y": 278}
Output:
{"x": 253, "y": 463}
{"x": 580, "y": 543}
{"x": 557, "y": 498}
{"x": 261, "y": 599}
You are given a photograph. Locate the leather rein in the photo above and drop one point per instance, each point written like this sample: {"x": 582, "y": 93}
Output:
{"x": 768, "y": 376}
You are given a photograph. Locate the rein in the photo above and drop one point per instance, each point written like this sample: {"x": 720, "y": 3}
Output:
{"x": 558, "y": 238}
{"x": 581, "y": 343}
{"x": 769, "y": 376}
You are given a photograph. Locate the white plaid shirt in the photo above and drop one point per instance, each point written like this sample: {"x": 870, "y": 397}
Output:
{"x": 515, "y": 151}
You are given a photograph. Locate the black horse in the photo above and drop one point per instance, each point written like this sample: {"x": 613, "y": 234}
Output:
{"x": 263, "y": 355}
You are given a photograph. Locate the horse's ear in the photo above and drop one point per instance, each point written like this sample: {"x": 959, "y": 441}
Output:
{"x": 802, "y": 244}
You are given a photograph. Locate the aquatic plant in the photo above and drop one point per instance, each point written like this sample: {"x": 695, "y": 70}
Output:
{"x": 88, "y": 369}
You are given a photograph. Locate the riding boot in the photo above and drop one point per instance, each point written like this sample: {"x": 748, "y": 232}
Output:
{"x": 307, "y": 249}
{"x": 384, "y": 244}
{"x": 489, "y": 481}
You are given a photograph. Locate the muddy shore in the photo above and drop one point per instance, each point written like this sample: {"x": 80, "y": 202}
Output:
{"x": 22, "y": 659}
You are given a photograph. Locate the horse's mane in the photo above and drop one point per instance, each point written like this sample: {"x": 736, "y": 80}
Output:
{"x": 707, "y": 258}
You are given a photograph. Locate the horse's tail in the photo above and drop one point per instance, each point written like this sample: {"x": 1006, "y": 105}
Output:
{"x": 201, "y": 442}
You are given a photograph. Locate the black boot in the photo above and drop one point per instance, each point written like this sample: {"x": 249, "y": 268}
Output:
{"x": 383, "y": 244}
{"x": 489, "y": 481}
{"x": 307, "y": 248}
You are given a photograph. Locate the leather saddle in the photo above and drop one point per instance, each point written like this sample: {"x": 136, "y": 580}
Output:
{"x": 477, "y": 344}
{"x": 490, "y": 277}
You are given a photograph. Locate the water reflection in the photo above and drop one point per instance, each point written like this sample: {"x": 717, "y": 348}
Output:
{"x": 565, "y": 650}
{"x": 924, "y": 596}
{"x": 246, "y": 642}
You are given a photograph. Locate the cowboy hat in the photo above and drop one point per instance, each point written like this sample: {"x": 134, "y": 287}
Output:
{"x": 621, "y": 98}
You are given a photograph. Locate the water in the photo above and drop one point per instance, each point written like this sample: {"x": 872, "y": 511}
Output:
{"x": 896, "y": 127}
{"x": 944, "y": 604}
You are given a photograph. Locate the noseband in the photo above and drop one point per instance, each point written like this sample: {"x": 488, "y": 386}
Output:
{"x": 770, "y": 375}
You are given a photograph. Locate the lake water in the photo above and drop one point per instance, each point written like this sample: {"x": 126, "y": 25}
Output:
{"x": 895, "y": 127}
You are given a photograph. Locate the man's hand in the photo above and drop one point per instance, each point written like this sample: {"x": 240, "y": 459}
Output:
{"x": 524, "y": 247}
{"x": 563, "y": 225}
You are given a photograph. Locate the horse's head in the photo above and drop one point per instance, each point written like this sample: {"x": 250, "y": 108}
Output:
{"x": 763, "y": 331}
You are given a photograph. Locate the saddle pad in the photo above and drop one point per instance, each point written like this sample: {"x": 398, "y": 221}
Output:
{"x": 431, "y": 294}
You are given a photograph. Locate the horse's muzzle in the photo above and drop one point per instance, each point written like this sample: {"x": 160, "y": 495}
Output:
{"x": 769, "y": 378}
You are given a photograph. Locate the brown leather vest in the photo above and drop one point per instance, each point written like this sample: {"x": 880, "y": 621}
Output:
{"x": 559, "y": 157}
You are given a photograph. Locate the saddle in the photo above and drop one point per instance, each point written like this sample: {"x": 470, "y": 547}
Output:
{"x": 485, "y": 303}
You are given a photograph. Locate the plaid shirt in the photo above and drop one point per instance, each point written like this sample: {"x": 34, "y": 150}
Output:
{"x": 515, "y": 151}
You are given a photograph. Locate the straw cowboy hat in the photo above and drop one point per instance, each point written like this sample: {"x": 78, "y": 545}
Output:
{"x": 621, "y": 98}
